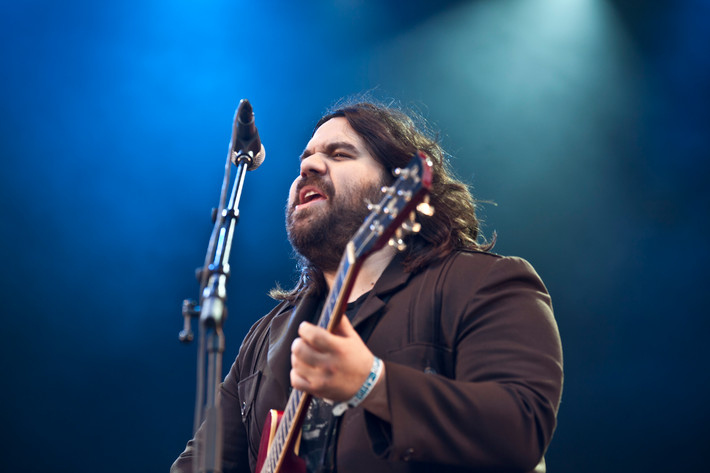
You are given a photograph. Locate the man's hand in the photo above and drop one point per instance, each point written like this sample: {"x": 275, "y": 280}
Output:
{"x": 329, "y": 365}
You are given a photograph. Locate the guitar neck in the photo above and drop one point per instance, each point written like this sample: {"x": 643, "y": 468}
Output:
{"x": 298, "y": 401}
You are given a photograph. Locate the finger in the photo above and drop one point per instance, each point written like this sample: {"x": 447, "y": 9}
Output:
{"x": 309, "y": 378}
{"x": 316, "y": 337}
{"x": 301, "y": 368}
{"x": 298, "y": 381}
{"x": 304, "y": 356}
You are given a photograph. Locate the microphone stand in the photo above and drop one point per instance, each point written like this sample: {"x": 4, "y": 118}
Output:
{"x": 212, "y": 313}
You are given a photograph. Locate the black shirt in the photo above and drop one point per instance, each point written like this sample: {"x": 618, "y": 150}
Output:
{"x": 319, "y": 431}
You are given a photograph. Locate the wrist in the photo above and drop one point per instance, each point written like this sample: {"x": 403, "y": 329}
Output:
{"x": 367, "y": 386}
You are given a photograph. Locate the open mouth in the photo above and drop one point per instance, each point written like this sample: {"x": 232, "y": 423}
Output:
{"x": 310, "y": 194}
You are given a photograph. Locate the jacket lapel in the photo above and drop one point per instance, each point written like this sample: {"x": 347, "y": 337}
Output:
{"x": 282, "y": 332}
{"x": 393, "y": 278}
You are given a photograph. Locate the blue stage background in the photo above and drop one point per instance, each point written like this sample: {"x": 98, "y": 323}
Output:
{"x": 587, "y": 123}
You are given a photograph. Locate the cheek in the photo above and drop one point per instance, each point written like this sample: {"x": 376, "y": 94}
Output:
{"x": 364, "y": 178}
{"x": 292, "y": 192}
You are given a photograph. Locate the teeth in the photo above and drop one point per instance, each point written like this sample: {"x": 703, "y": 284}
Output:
{"x": 310, "y": 195}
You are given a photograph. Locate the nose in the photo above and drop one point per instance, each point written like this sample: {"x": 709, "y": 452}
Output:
{"x": 313, "y": 164}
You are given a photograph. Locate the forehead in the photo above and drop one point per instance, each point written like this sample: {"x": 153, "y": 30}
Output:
{"x": 335, "y": 130}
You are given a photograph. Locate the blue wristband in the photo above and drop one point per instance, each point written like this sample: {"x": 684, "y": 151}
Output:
{"x": 365, "y": 389}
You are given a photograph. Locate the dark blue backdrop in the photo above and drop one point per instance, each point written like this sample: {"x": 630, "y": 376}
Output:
{"x": 585, "y": 122}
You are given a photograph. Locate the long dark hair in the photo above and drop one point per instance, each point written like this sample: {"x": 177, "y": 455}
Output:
{"x": 392, "y": 137}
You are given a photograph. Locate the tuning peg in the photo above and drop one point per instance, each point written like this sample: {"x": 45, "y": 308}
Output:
{"x": 425, "y": 208}
{"x": 411, "y": 225}
{"x": 416, "y": 226}
{"x": 403, "y": 173}
{"x": 387, "y": 190}
{"x": 398, "y": 244}
{"x": 391, "y": 209}
{"x": 405, "y": 195}
{"x": 372, "y": 207}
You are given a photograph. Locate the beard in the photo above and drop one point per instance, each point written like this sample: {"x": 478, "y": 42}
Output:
{"x": 320, "y": 235}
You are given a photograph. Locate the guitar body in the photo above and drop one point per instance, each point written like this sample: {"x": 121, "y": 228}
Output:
{"x": 292, "y": 463}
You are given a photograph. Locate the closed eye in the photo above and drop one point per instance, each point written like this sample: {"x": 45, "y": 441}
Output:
{"x": 336, "y": 150}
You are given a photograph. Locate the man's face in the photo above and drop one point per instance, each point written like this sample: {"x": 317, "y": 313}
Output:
{"x": 327, "y": 201}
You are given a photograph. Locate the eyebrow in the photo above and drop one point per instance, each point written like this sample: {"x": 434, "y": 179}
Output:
{"x": 331, "y": 147}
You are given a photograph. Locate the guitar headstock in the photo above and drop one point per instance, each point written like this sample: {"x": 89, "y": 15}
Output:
{"x": 394, "y": 215}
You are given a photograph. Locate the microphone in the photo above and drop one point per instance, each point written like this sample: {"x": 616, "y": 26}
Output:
{"x": 245, "y": 137}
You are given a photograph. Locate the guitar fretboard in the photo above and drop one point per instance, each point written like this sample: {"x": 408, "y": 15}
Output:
{"x": 298, "y": 400}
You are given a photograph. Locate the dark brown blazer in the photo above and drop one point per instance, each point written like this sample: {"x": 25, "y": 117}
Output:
{"x": 473, "y": 372}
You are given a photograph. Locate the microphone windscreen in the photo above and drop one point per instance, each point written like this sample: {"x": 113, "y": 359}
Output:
{"x": 258, "y": 159}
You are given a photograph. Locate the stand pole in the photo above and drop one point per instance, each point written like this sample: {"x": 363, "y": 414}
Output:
{"x": 246, "y": 153}
{"x": 213, "y": 313}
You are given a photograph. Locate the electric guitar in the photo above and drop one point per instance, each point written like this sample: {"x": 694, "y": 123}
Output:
{"x": 388, "y": 222}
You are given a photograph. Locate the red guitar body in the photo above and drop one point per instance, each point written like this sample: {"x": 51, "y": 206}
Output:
{"x": 292, "y": 463}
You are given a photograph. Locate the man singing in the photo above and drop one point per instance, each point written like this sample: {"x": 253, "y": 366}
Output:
{"x": 448, "y": 355}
